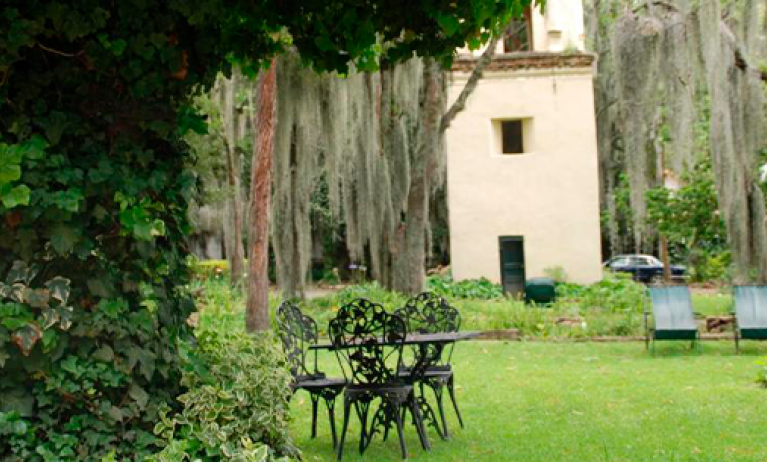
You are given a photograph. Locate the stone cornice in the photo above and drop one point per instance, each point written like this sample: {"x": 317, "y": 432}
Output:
{"x": 527, "y": 61}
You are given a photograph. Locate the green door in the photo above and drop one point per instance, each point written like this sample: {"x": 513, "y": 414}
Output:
{"x": 513, "y": 265}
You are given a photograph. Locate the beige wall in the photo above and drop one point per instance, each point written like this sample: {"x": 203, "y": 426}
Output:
{"x": 559, "y": 27}
{"x": 549, "y": 196}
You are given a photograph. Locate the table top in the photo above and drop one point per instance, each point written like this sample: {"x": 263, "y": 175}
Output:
{"x": 414, "y": 339}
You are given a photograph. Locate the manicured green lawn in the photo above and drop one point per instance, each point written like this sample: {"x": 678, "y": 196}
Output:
{"x": 536, "y": 401}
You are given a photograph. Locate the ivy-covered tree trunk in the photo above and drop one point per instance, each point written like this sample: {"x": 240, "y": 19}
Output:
{"x": 257, "y": 312}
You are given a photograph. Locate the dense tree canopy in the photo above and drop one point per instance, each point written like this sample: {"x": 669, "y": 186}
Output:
{"x": 94, "y": 99}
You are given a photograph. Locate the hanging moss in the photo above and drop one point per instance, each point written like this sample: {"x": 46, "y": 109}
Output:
{"x": 637, "y": 52}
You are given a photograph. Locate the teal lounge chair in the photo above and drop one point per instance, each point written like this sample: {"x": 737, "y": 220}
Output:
{"x": 750, "y": 313}
{"x": 672, "y": 315}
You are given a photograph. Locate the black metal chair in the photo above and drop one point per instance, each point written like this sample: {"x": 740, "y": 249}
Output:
{"x": 369, "y": 343}
{"x": 297, "y": 332}
{"x": 428, "y": 313}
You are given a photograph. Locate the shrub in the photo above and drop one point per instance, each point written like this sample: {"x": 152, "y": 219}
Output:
{"x": 481, "y": 289}
{"x": 557, "y": 273}
{"x": 236, "y": 406}
{"x": 615, "y": 292}
{"x": 712, "y": 267}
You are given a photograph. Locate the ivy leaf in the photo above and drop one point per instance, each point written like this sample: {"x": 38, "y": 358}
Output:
{"x": 34, "y": 148}
{"x": 118, "y": 46}
{"x": 50, "y": 318}
{"x": 18, "y": 400}
{"x": 49, "y": 340}
{"x": 27, "y": 337}
{"x": 16, "y": 196}
{"x": 14, "y": 323}
{"x": 449, "y": 24}
{"x": 16, "y": 292}
{"x": 104, "y": 354}
{"x": 63, "y": 238}
{"x": 65, "y": 317}
{"x": 37, "y": 298}
{"x": 20, "y": 272}
{"x": 116, "y": 414}
{"x": 10, "y": 170}
{"x": 139, "y": 395}
{"x": 55, "y": 127}
{"x": 59, "y": 288}
{"x": 70, "y": 365}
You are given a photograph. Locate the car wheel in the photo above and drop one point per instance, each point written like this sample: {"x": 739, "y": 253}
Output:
{"x": 657, "y": 279}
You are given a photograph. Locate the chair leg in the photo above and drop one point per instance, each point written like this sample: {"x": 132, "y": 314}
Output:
{"x": 331, "y": 405}
{"x": 452, "y": 398}
{"x": 438, "y": 389}
{"x": 315, "y": 400}
{"x": 362, "y": 413}
{"x": 401, "y": 433}
{"x": 347, "y": 409}
{"x": 419, "y": 425}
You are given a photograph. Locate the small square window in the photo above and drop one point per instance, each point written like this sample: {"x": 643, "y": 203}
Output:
{"x": 512, "y": 137}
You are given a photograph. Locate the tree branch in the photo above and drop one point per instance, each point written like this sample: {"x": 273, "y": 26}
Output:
{"x": 60, "y": 53}
{"x": 471, "y": 84}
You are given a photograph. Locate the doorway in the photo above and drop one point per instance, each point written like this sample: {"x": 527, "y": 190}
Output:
{"x": 513, "y": 265}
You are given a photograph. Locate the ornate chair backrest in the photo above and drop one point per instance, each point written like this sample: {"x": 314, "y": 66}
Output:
{"x": 428, "y": 313}
{"x": 368, "y": 342}
{"x": 297, "y": 332}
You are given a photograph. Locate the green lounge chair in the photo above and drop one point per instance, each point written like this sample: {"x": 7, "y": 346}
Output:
{"x": 750, "y": 313}
{"x": 673, "y": 318}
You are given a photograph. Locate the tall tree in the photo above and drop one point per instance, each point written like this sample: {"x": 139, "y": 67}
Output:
{"x": 257, "y": 310}
{"x": 232, "y": 117}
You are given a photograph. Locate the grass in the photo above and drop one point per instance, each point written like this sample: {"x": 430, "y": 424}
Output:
{"x": 583, "y": 402}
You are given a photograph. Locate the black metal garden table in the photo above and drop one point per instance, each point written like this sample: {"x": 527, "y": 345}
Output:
{"x": 428, "y": 347}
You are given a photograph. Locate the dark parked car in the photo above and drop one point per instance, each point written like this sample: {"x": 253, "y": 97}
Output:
{"x": 644, "y": 268}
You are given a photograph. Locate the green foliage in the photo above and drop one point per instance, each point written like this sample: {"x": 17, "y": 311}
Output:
{"x": 616, "y": 292}
{"x": 481, "y": 289}
{"x": 689, "y": 217}
{"x": 236, "y": 407}
{"x": 556, "y": 273}
{"x": 211, "y": 269}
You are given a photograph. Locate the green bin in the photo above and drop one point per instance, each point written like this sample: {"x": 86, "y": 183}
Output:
{"x": 542, "y": 291}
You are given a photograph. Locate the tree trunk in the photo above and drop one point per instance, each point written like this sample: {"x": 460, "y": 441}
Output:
{"x": 408, "y": 261}
{"x": 408, "y": 251}
{"x": 235, "y": 251}
{"x": 257, "y": 312}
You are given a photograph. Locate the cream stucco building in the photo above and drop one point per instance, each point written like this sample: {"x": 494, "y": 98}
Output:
{"x": 522, "y": 157}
